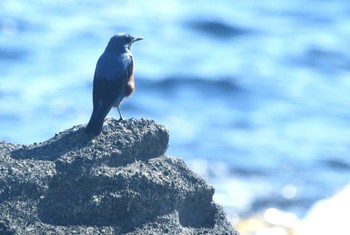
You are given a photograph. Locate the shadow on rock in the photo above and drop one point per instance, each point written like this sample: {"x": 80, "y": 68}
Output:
{"x": 55, "y": 147}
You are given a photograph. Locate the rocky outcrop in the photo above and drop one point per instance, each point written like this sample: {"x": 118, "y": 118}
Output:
{"x": 120, "y": 182}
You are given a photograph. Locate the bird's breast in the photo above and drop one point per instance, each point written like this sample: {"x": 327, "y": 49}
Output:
{"x": 130, "y": 85}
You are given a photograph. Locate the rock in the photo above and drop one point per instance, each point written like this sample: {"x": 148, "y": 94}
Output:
{"x": 120, "y": 182}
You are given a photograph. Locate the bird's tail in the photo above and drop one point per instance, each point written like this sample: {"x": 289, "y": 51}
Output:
{"x": 96, "y": 121}
{"x": 95, "y": 125}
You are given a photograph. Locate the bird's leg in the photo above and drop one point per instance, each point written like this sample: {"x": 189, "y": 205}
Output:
{"x": 120, "y": 114}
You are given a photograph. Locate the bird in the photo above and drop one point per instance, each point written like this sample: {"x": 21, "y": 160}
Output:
{"x": 113, "y": 80}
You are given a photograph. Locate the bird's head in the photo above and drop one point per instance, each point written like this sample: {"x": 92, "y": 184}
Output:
{"x": 122, "y": 40}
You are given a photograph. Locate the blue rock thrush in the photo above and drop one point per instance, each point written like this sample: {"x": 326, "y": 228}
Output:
{"x": 113, "y": 80}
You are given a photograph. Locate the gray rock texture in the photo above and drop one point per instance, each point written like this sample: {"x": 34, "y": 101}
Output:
{"x": 120, "y": 182}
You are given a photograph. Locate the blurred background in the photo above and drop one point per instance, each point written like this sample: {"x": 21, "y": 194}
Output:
{"x": 255, "y": 93}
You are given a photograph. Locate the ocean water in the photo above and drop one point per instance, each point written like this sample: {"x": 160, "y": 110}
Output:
{"x": 255, "y": 93}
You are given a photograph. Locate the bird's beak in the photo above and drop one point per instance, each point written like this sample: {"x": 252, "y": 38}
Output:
{"x": 136, "y": 39}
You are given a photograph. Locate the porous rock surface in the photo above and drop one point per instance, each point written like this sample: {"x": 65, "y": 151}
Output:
{"x": 120, "y": 182}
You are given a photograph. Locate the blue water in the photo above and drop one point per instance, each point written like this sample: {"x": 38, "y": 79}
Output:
{"x": 255, "y": 93}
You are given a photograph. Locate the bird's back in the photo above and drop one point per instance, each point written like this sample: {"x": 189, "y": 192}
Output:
{"x": 112, "y": 66}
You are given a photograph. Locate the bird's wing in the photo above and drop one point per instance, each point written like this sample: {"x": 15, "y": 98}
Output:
{"x": 105, "y": 92}
{"x": 104, "y": 96}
